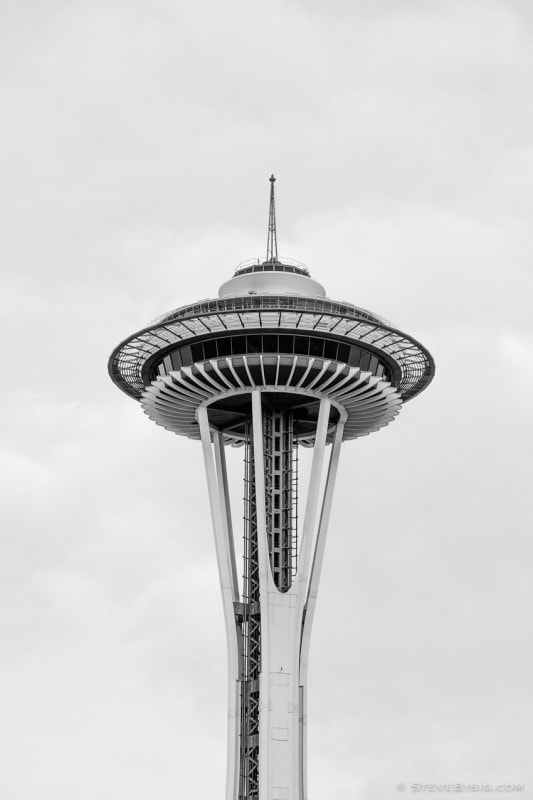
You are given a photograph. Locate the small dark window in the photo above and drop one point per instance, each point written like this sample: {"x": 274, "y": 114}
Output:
{"x": 224, "y": 346}
{"x": 355, "y": 356}
{"x": 330, "y": 349}
{"x": 286, "y": 344}
{"x": 316, "y": 347}
{"x": 210, "y": 348}
{"x": 301, "y": 345}
{"x": 253, "y": 344}
{"x": 270, "y": 343}
{"x": 186, "y": 355}
{"x": 365, "y": 361}
{"x": 343, "y": 353}
{"x": 175, "y": 360}
{"x": 167, "y": 361}
{"x": 238, "y": 345}
{"x": 197, "y": 352}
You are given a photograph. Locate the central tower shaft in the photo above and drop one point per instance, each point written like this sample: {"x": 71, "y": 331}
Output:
{"x": 280, "y": 456}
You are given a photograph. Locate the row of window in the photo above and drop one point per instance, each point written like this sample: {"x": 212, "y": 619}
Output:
{"x": 271, "y": 343}
{"x": 248, "y": 302}
{"x": 268, "y": 266}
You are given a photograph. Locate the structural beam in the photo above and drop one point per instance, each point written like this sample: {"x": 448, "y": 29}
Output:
{"x": 221, "y": 518}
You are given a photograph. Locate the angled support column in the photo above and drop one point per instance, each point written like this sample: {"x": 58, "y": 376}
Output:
{"x": 314, "y": 580}
{"x": 221, "y": 518}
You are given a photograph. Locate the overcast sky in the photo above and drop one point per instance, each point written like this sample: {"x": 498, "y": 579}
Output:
{"x": 136, "y": 145}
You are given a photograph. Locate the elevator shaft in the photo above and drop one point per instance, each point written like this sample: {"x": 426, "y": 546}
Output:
{"x": 280, "y": 450}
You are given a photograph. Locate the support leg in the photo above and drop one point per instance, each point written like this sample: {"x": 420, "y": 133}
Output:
{"x": 219, "y": 504}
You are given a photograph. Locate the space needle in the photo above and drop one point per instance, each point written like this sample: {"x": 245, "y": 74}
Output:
{"x": 270, "y": 365}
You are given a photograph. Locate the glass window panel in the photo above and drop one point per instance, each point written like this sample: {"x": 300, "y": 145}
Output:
{"x": 286, "y": 344}
{"x": 238, "y": 345}
{"x": 301, "y": 345}
{"x": 365, "y": 361}
{"x": 316, "y": 347}
{"x": 355, "y": 356}
{"x": 175, "y": 359}
{"x": 330, "y": 349}
{"x": 253, "y": 344}
{"x": 224, "y": 346}
{"x": 196, "y": 353}
{"x": 270, "y": 343}
{"x": 343, "y": 353}
{"x": 210, "y": 348}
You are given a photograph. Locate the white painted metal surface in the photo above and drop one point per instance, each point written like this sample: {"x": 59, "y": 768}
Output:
{"x": 370, "y": 403}
{"x": 271, "y": 283}
{"x": 221, "y": 518}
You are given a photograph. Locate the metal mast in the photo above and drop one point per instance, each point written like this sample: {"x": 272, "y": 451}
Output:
{"x": 272, "y": 240}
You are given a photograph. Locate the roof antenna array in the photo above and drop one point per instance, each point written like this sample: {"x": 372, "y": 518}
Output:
{"x": 272, "y": 241}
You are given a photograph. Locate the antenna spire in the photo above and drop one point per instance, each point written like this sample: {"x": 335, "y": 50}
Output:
{"x": 272, "y": 241}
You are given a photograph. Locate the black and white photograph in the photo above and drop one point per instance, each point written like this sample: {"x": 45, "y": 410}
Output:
{"x": 266, "y": 446}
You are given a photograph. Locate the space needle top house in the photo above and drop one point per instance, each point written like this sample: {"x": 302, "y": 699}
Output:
{"x": 271, "y": 364}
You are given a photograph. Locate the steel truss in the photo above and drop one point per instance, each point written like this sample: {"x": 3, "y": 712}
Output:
{"x": 268, "y": 632}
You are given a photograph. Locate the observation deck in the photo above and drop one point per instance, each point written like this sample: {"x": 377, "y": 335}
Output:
{"x": 260, "y": 333}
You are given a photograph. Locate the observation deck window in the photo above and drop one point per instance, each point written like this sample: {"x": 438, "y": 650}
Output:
{"x": 269, "y": 344}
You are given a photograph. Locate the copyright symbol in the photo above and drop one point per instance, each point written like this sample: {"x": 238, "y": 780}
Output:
{"x": 401, "y": 787}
